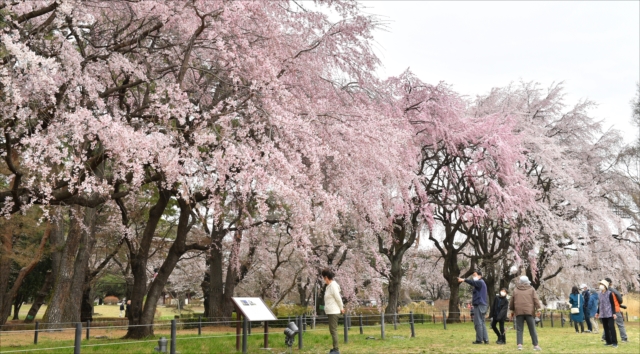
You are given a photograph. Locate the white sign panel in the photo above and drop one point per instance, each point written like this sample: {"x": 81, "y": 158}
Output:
{"x": 254, "y": 309}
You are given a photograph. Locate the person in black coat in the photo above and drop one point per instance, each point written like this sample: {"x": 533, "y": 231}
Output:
{"x": 499, "y": 315}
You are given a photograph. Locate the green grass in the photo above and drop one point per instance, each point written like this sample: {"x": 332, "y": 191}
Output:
{"x": 112, "y": 311}
{"x": 429, "y": 338}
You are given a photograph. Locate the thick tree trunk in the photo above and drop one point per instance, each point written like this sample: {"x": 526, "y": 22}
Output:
{"x": 454, "y": 302}
{"x": 451, "y": 272}
{"x": 72, "y": 309}
{"x": 139, "y": 259}
{"x": 64, "y": 278}
{"x": 490, "y": 277}
{"x": 216, "y": 284}
{"x": 40, "y": 297}
{"x": 5, "y": 270}
{"x": 86, "y": 308}
{"x": 395, "y": 286}
{"x": 17, "y": 304}
{"x": 178, "y": 248}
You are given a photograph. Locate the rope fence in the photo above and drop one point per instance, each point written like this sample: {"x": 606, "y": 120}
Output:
{"x": 305, "y": 324}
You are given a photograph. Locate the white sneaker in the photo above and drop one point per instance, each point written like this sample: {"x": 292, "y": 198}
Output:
{"x": 537, "y": 348}
{"x": 519, "y": 346}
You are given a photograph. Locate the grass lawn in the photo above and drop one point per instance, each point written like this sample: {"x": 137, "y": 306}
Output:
{"x": 110, "y": 311}
{"x": 429, "y": 338}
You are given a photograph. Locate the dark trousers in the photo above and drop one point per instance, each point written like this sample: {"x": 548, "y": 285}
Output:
{"x": 609, "y": 330}
{"x": 575, "y": 325}
{"x": 333, "y": 329}
{"x": 494, "y": 326}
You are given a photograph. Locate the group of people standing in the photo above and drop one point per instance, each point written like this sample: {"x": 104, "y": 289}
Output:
{"x": 588, "y": 306}
{"x": 523, "y": 305}
{"x": 604, "y": 303}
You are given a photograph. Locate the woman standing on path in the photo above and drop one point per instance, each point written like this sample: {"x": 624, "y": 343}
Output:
{"x": 499, "y": 315}
{"x": 333, "y": 306}
{"x": 577, "y": 309}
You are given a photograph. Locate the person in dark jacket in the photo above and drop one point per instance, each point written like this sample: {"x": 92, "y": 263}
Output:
{"x": 480, "y": 302}
{"x": 607, "y": 313}
{"x": 593, "y": 308}
{"x": 585, "y": 295}
{"x": 577, "y": 302}
{"x": 499, "y": 315}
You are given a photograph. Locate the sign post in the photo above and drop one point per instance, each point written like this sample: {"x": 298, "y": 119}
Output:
{"x": 252, "y": 309}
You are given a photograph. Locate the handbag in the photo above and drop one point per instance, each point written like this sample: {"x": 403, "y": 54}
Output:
{"x": 576, "y": 310}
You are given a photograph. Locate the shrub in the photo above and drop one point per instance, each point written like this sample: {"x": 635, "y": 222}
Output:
{"x": 111, "y": 300}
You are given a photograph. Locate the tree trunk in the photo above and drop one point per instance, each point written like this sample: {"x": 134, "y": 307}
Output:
{"x": 395, "y": 286}
{"x": 40, "y": 297}
{"x": 216, "y": 284}
{"x": 17, "y": 304}
{"x": 5, "y": 270}
{"x": 232, "y": 278}
{"x": 178, "y": 248}
{"x": 8, "y": 297}
{"x": 454, "y": 302}
{"x": 73, "y": 305}
{"x": 86, "y": 308}
{"x": 490, "y": 277}
{"x": 64, "y": 279}
{"x": 138, "y": 260}
{"x": 451, "y": 272}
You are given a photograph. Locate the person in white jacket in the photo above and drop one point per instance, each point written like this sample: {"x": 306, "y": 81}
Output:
{"x": 333, "y": 306}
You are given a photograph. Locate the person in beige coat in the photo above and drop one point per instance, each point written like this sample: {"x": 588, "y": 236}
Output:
{"x": 333, "y": 306}
{"x": 524, "y": 304}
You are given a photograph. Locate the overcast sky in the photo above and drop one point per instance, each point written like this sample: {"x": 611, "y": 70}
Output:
{"x": 594, "y": 47}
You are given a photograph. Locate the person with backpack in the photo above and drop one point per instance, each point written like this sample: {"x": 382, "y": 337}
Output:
{"x": 607, "y": 313}
{"x": 499, "y": 315}
{"x": 619, "y": 319}
{"x": 592, "y": 308}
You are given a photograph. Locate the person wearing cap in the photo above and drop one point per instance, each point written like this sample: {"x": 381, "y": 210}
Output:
{"x": 524, "y": 304}
{"x": 619, "y": 319}
{"x": 585, "y": 308}
{"x": 480, "y": 302}
{"x": 607, "y": 313}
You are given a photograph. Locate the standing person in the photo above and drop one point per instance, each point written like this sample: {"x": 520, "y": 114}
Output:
{"x": 607, "y": 313}
{"x": 480, "y": 306}
{"x": 499, "y": 315}
{"x": 577, "y": 308}
{"x": 128, "y": 309}
{"x": 122, "y": 308}
{"x": 586, "y": 296}
{"x": 593, "y": 309}
{"x": 619, "y": 319}
{"x": 524, "y": 304}
{"x": 333, "y": 306}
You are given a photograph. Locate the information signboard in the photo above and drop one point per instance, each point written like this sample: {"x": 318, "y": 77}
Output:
{"x": 254, "y": 309}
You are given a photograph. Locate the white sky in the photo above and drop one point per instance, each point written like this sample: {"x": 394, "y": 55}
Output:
{"x": 594, "y": 47}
